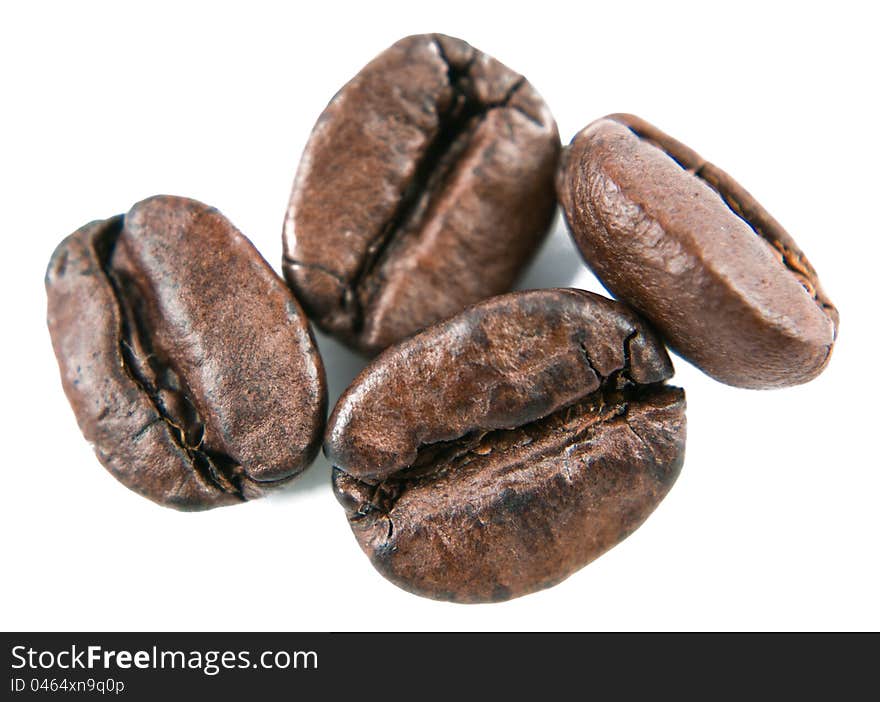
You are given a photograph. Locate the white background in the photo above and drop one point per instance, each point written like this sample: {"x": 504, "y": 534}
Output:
{"x": 773, "y": 523}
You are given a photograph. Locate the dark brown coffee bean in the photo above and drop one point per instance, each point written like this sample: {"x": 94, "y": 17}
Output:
{"x": 426, "y": 185}
{"x": 498, "y": 452}
{"x": 188, "y": 364}
{"x": 683, "y": 242}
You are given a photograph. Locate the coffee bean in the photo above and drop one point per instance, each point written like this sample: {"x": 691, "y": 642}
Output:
{"x": 188, "y": 364}
{"x": 684, "y": 243}
{"x": 498, "y": 452}
{"x": 426, "y": 185}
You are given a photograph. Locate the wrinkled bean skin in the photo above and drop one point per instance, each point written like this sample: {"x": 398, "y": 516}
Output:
{"x": 681, "y": 241}
{"x": 426, "y": 185}
{"x": 496, "y": 453}
{"x": 188, "y": 364}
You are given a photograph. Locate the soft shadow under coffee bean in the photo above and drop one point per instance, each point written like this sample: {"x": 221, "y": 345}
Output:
{"x": 498, "y": 452}
{"x": 426, "y": 185}
{"x": 684, "y": 243}
{"x": 188, "y": 363}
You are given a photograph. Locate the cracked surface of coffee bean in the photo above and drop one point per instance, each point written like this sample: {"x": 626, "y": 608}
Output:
{"x": 497, "y": 452}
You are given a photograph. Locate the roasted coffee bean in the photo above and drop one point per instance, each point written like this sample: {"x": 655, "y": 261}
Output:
{"x": 684, "y": 243}
{"x": 498, "y": 452}
{"x": 426, "y": 185}
{"x": 188, "y": 364}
